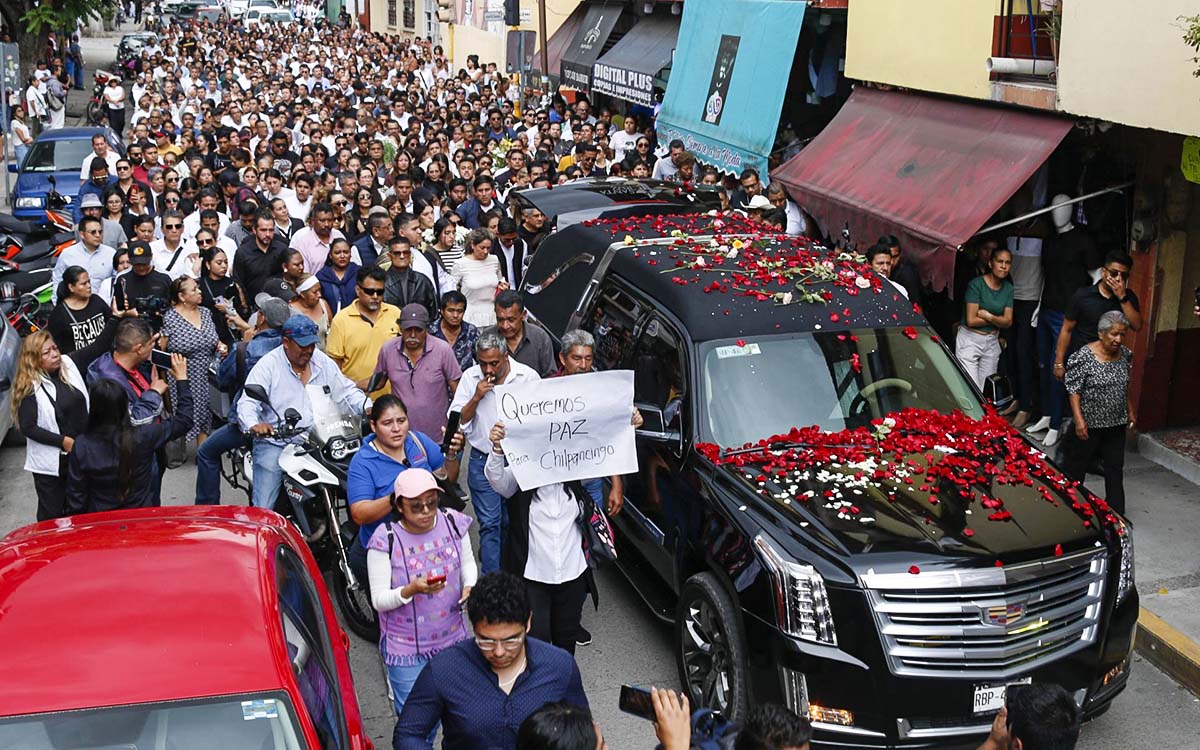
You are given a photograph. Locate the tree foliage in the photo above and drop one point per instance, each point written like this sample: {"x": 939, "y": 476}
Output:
{"x": 1191, "y": 37}
{"x": 31, "y": 20}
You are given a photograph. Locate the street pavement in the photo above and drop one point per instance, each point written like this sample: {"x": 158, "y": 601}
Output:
{"x": 631, "y": 646}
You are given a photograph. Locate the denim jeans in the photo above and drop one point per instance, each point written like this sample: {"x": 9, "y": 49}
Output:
{"x": 402, "y": 678}
{"x": 208, "y": 462}
{"x": 489, "y": 510}
{"x": 268, "y": 477}
{"x": 1054, "y": 394}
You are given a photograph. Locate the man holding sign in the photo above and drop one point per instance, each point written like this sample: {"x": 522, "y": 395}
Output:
{"x": 475, "y": 400}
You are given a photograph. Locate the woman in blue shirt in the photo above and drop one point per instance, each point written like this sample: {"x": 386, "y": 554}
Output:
{"x": 390, "y": 450}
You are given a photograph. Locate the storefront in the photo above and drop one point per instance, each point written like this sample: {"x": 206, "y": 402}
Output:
{"x": 637, "y": 67}
{"x": 929, "y": 170}
{"x": 590, "y": 39}
{"x": 726, "y": 89}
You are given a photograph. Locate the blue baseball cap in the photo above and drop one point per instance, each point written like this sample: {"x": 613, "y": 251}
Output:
{"x": 301, "y": 330}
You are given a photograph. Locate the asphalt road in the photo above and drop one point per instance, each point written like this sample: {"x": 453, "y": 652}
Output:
{"x": 631, "y": 646}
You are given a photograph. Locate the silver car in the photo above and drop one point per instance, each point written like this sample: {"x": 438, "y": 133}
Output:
{"x": 10, "y": 349}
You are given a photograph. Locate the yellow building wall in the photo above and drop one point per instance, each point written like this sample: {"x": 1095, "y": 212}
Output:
{"x": 1126, "y": 62}
{"x": 379, "y": 18}
{"x": 929, "y": 45}
{"x": 490, "y": 46}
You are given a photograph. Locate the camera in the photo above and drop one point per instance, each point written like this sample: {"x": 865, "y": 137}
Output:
{"x": 151, "y": 305}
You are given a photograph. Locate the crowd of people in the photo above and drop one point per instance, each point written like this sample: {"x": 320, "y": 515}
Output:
{"x": 314, "y": 208}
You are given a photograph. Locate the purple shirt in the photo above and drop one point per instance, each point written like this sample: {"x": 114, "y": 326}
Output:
{"x": 424, "y": 388}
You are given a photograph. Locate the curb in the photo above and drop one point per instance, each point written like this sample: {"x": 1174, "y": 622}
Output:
{"x": 1168, "y": 649}
{"x": 1151, "y": 448}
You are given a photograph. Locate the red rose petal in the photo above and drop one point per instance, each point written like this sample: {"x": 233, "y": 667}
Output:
{"x": 914, "y": 569}
{"x": 1058, "y": 550}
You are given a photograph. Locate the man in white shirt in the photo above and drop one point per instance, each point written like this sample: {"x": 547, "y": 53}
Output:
{"x": 208, "y": 202}
{"x": 100, "y": 150}
{"x": 796, "y": 225}
{"x": 90, "y": 253}
{"x": 479, "y": 408}
{"x": 299, "y": 201}
{"x": 171, "y": 255}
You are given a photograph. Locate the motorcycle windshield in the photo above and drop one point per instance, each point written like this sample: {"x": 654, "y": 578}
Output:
{"x": 330, "y": 420}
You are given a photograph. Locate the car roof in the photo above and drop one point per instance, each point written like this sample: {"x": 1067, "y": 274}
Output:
{"x": 70, "y": 134}
{"x": 597, "y": 193}
{"x": 650, "y": 265}
{"x": 138, "y": 606}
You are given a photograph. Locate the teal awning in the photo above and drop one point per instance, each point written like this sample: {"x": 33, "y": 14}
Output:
{"x": 729, "y": 78}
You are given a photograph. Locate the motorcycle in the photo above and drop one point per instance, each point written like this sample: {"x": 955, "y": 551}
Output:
{"x": 56, "y": 226}
{"x": 26, "y": 311}
{"x": 313, "y": 494}
{"x": 95, "y": 107}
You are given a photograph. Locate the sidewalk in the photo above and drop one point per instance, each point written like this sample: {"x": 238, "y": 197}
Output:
{"x": 1162, "y": 489}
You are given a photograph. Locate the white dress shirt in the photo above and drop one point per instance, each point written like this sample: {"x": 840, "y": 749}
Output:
{"x": 275, "y": 374}
{"x": 486, "y": 413}
{"x": 162, "y": 258}
{"x": 555, "y": 542}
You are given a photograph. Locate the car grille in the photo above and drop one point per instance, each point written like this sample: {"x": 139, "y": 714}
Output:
{"x": 995, "y": 623}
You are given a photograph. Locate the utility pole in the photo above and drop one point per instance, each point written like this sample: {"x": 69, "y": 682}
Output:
{"x": 544, "y": 40}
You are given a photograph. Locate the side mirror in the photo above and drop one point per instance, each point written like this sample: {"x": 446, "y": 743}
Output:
{"x": 258, "y": 393}
{"x": 655, "y": 428}
{"x": 13, "y": 166}
{"x": 5, "y": 384}
{"x": 291, "y": 417}
{"x": 376, "y": 382}
{"x": 53, "y": 182}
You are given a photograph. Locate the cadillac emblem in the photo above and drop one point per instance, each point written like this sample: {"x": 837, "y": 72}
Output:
{"x": 1004, "y": 615}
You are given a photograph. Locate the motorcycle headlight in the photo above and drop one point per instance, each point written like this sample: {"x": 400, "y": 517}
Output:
{"x": 800, "y": 597}
{"x": 30, "y": 202}
{"x": 1125, "y": 577}
{"x": 336, "y": 449}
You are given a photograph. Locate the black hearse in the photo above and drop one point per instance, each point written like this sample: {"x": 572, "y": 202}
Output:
{"x": 887, "y": 571}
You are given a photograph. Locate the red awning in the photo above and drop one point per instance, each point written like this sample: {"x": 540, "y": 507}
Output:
{"x": 930, "y": 171}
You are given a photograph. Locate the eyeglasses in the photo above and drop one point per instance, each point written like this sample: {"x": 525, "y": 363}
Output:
{"x": 205, "y": 243}
{"x": 172, "y": 226}
{"x": 93, "y": 231}
{"x": 372, "y": 291}
{"x": 506, "y": 644}
{"x": 423, "y": 507}
{"x": 123, "y": 167}
{"x": 402, "y": 252}
{"x": 1122, "y": 274}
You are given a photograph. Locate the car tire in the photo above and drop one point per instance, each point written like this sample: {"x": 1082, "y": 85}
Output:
{"x": 710, "y": 647}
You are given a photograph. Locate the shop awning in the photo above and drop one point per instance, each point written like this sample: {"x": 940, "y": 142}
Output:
{"x": 728, "y": 79}
{"x": 559, "y": 41}
{"x": 587, "y": 45}
{"x": 930, "y": 171}
{"x": 628, "y": 70}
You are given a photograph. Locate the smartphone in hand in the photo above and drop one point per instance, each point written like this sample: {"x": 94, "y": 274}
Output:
{"x": 433, "y": 580}
{"x": 636, "y": 701}
{"x": 160, "y": 359}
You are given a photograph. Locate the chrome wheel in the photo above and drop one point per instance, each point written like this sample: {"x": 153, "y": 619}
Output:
{"x": 706, "y": 656}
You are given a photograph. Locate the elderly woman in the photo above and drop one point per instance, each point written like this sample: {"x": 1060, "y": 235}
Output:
{"x": 1097, "y": 382}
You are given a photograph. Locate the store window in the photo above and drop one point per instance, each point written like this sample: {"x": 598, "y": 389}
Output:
{"x": 410, "y": 14}
{"x": 391, "y": 13}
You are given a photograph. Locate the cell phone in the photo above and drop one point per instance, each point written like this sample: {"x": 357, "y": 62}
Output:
{"x": 451, "y": 428}
{"x": 637, "y": 701}
{"x": 436, "y": 579}
{"x": 160, "y": 359}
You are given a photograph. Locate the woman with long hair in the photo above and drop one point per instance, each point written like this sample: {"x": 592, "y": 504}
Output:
{"x": 219, "y": 292}
{"x": 477, "y": 275}
{"x": 49, "y": 400}
{"x": 444, "y": 242}
{"x": 135, "y": 206}
{"x": 111, "y": 465}
{"x": 80, "y": 317}
{"x": 309, "y": 303}
{"x": 121, "y": 264}
{"x": 356, "y": 218}
{"x": 190, "y": 331}
{"x": 188, "y": 188}
{"x": 114, "y": 204}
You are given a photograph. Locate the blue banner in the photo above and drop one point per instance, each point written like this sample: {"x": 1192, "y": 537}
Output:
{"x": 729, "y": 78}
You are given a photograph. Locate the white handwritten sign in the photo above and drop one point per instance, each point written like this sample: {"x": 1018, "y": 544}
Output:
{"x": 574, "y": 427}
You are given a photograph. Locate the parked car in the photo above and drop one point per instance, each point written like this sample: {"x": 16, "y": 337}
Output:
{"x": 58, "y": 153}
{"x": 213, "y": 14}
{"x": 825, "y": 507}
{"x": 584, "y": 199}
{"x": 256, "y": 15}
{"x": 133, "y": 42}
{"x": 191, "y": 627}
{"x": 185, "y": 11}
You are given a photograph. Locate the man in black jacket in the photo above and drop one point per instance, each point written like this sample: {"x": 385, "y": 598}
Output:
{"x": 404, "y": 286}
{"x": 259, "y": 256}
{"x": 142, "y": 288}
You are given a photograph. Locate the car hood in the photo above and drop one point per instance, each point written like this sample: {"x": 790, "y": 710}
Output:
{"x": 995, "y": 499}
{"x": 38, "y": 183}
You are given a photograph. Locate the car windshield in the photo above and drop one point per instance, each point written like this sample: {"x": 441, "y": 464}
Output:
{"x": 244, "y": 722}
{"x": 57, "y": 156}
{"x": 755, "y": 388}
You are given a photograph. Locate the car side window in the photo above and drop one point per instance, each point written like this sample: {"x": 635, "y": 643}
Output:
{"x": 660, "y": 375}
{"x": 309, "y": 648}
{"x": 612, "y": 323}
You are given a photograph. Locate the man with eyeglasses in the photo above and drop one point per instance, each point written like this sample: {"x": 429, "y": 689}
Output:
{"x": 97, "y": 183}
{"x": 90, "y": 253}
{"x": 114, "y": 234}
{"x": 1081, "y": 324}
{"x": 405, "y": 285}
{"x": 360, "y": 329}
{"x": 170, "y": 254}
{"x": 458, "y": 686}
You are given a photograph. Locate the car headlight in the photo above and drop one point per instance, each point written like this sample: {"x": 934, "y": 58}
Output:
{"x": 30, "y": 202}
{"x": 800, "y": 596}
{"x": 1125, "y": 577}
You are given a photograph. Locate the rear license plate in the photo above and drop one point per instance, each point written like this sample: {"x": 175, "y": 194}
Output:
{"x": 990, "y": 698}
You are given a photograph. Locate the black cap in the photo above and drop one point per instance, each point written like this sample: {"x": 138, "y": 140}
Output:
{"x": 277, "y": 287}
{"x": 140, "y": 253}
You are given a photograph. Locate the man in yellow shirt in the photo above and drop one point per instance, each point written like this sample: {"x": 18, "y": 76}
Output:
{"x": 360, "y": 330}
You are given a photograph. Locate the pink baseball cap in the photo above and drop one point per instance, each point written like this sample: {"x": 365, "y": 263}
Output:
{"x": 413, "y": 483}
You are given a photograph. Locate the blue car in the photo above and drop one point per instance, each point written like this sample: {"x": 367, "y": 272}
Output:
{"x": 55, "y": 152}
